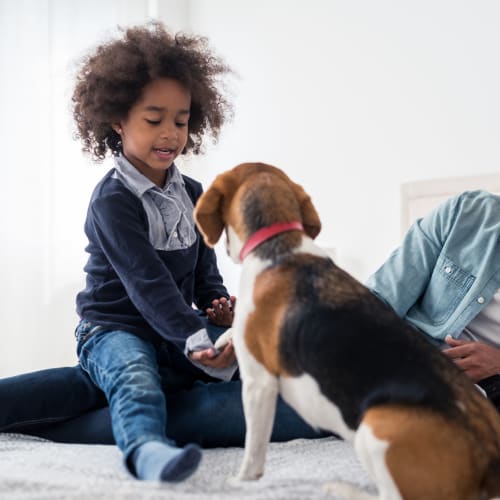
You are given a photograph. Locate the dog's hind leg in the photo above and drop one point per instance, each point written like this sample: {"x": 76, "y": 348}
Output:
{"x": 371, "y": 453}
{"x": 260, "y": 392}
{"x": 405, "y": 449}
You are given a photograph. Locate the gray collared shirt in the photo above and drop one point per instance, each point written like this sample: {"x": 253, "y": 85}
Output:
{"x": 169, "y": 209}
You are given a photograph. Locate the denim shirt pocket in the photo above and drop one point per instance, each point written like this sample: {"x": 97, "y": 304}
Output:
{"x": 448, "y": 285}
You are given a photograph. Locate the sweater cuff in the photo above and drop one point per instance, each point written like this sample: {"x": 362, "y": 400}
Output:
{"x": 200, "y": 341}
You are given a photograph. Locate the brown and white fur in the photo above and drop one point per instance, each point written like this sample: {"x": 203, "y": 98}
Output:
{"x": 307, "y": 330}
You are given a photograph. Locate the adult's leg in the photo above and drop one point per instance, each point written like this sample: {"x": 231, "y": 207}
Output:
{"x": 208, "y": 414}
{"x": 64, "y": 405}
{"x": 212, "y": 416}
{"x": 36, "y": 400}
{"x": 48, "y": 403}
{"x": 93, "y": 427}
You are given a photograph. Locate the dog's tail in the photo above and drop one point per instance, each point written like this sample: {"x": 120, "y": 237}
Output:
{"x": 347, "y": 491}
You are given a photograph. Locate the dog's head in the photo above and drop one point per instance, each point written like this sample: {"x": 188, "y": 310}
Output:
{"x": 248, "y": 198}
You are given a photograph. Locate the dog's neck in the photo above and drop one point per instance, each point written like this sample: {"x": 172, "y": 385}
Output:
{"x": 266, "y": 233}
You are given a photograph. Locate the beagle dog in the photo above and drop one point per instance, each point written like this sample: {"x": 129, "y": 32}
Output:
{"x": 306, "y": 329}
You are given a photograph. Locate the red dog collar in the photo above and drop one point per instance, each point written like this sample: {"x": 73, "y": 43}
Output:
{"x": 268, "y": 232}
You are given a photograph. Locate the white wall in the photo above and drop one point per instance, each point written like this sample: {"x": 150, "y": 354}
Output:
{"x": 46, "y": 181}
{"x": 350, "y": 97}
{"x": 354, "y": 97}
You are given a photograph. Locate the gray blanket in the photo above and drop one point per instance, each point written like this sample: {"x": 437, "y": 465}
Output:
{"x": 32, "y": 468}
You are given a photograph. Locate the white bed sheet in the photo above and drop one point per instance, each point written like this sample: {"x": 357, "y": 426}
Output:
{"x": 32, "y": 468}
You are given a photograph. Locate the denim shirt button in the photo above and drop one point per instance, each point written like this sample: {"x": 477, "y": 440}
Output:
{"x": 447, "y": 269}
{"x": 480, "y": 300}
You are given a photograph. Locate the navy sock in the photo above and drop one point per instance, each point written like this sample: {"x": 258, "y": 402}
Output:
{"x": 158, "y": 461}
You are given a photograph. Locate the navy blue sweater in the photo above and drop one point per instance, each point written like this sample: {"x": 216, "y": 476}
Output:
{"x": 133, "y": 287}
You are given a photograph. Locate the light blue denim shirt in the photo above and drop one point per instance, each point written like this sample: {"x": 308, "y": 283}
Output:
{"x": 448, "y": 266}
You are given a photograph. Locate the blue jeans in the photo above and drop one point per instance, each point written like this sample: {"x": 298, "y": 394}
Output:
{"x": 125, "y": 367}
{"x": 134, "y": 375}
{"x": 63, "y": 405}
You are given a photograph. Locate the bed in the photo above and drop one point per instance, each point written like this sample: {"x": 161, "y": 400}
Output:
{"x": 32, "y": 468}
{"x": 419, "y": 197}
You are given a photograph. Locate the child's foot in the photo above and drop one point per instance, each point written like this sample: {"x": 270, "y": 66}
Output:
{"x": 183, "y": 465}
{"x": 158, "y": 461}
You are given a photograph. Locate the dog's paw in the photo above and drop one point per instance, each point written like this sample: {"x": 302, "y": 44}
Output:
{"x": 224, "y": 339}
{"x": 248, "y": 476}
{"x": 346, "y": 491}
{"x": 244, "y": 475}
{"x": 236, "y": 481}
{"x": 233, "y": 481}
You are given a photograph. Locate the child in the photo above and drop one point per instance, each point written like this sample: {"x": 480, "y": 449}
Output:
{"x": 141, "y": 278}
{"x": 147, "y": 98}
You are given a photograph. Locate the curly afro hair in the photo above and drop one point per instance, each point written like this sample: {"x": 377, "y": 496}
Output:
{"x": 111, "y": 80}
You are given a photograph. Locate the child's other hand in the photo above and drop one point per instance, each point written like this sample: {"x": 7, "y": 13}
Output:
{"x": 209, "y": 357}
{"x": 222, "y": 311}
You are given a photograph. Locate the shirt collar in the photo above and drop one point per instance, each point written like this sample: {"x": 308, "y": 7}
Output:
{"x": 138, "y": 183}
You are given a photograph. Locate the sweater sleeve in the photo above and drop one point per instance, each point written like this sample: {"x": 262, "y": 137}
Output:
{"x": 118, "y": 229}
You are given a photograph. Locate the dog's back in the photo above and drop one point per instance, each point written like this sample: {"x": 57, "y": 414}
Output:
{"x": 378, "y": 371}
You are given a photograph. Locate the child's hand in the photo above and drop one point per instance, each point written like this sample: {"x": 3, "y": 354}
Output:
{"x": 209, "y": 357}
{"x": 222, "y": 311}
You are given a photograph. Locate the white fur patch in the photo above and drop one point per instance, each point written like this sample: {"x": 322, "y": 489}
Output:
{"x": 347, "y": 491}
{"x": 233, "y": 244}
{"x": 260, "y": 388}
{"x": 252, "y": 266}
{"x": 304, "y": 396}
{"x": 259, "y": 394}
{"x": 308, "y": 246}
{"x": 371, "y": 453}
{"x": 224, "y": 339}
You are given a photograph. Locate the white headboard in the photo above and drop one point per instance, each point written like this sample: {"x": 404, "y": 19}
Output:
{"x": 420, "y": 197}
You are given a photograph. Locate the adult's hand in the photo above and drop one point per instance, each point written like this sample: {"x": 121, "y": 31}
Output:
{"x": 476, "y": 359}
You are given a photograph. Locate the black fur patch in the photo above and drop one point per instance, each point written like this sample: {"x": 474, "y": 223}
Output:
{"x": 361, "y": 354}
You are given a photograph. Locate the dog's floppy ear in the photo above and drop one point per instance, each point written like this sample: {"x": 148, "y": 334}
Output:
{"x": 208, "y": 215}
{"x": 310, "y": 218}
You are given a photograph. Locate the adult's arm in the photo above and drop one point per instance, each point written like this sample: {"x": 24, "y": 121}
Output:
{"x": 404, "y": 276}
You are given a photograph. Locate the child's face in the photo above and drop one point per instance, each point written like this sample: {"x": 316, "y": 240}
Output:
{"x": 155, "y": 131}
